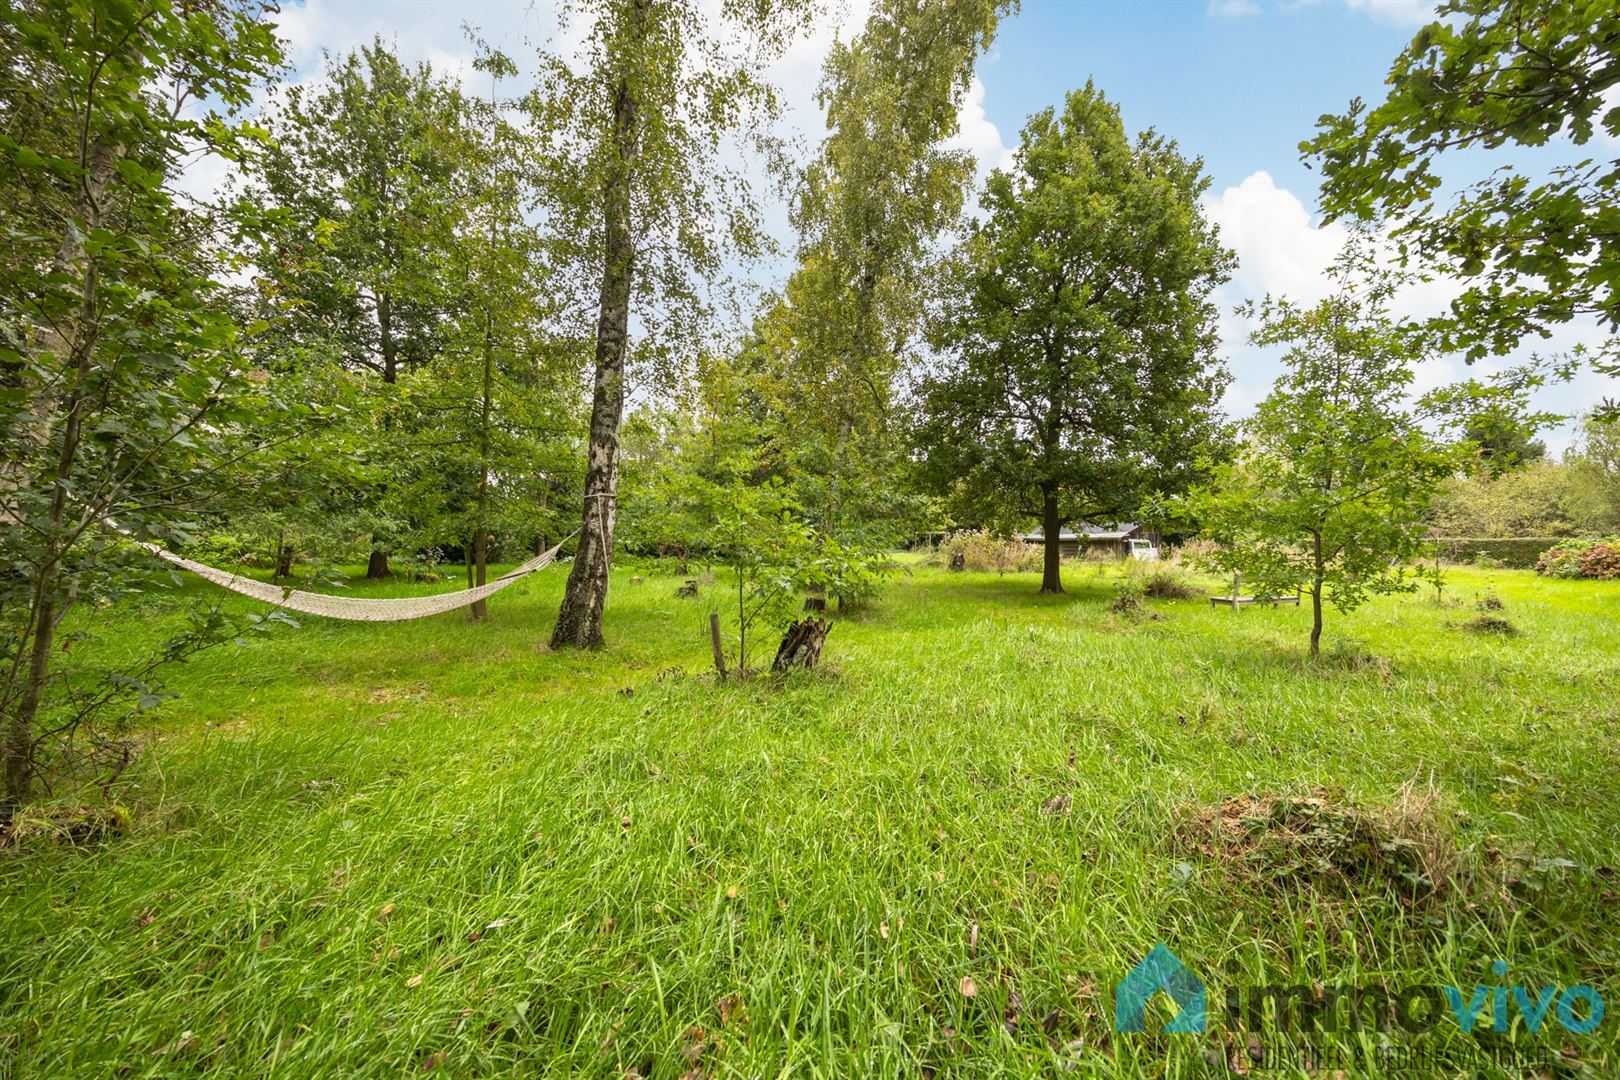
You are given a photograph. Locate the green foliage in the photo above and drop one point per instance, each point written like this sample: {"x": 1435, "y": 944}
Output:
{"x": 1338, "y": 471}
{"x": 713, "y": 481}
{"x": 870, "y": 208}
{"x": 125, "y": 391}
{"x": 1081, "y": 379}
{"x": 361, "y": 180}
{"x": 1517, "y": 552}
{"x": 404, "y": 269}
{"x": 1503, "y": 443}
{"x": 985, "y": 551}
{"x": 1488, "y": 74}
{"x": 1599, "y": 559}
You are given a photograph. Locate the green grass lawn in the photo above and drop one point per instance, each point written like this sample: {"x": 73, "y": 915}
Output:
{"x": 378, "y": 849}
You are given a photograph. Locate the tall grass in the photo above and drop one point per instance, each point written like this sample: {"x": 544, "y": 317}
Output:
{"x": 371, "y": 850}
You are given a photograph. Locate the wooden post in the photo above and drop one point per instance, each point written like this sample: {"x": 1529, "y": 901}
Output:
{"x": 714, "y": 640}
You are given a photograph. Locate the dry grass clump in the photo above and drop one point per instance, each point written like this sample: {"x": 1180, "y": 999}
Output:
{"x": 1323, "y": 841}
{"x": 982, "y": 550}
{"x": 1486, "y": 623}
{"x": 72, "y": 824}
{"x": 1168, "y": 584}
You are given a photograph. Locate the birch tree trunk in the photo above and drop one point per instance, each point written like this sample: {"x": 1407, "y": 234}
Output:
{"x": 579, "y": 621}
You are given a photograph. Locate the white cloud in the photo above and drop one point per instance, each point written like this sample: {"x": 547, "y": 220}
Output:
{"x": 978, "y": 135}
{"x": 1412, "y": 13}
{"x": 1280, "y": 248}
{"x": 1284, "y": 250}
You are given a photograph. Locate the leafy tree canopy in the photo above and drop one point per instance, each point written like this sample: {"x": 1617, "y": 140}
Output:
{"x": 1079, "y": 331}
{"x": 1536, "y": 251}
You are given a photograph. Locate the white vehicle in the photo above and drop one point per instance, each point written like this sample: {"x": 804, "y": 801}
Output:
{"x": 1141, "y": 549}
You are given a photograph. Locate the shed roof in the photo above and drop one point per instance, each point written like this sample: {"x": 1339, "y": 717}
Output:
{"x": 1119, "y": 530}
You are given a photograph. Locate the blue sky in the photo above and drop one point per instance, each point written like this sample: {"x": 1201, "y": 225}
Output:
{"x": 1237, "y": 82}
{"x": 1239, "y": 90}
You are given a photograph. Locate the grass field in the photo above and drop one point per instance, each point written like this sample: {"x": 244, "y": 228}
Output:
{"x": 382, "y": 849}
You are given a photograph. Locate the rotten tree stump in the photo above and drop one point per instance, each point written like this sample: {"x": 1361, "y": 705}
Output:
{"x": 801, "y": 645}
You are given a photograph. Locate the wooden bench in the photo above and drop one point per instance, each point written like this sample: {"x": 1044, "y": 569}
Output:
{"x": 1236, "y": 601}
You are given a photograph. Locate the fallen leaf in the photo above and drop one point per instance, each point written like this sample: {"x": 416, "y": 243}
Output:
{"x": 968, "y": 987}
{"x": 387, "y": 910}
{"x": 693, "y": 1044}
{"x": 1058, "y": 804}
{"x": 624, "y": 822}
{"x": 413, "y": 981}
{"x": 731, "y": 893}
{"x": 973, "y": 940}
{"x": 883, "y": 931}
{"x": 434, "y": 1060}
{"x": 495, "y": 924}
{"x": 1015, "y": 1007}
{"x": 728, "y": 1008}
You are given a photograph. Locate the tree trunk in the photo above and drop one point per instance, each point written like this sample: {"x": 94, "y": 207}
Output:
{"x": 579, "y": 620}
{"x": 44, "y": 614}
{"x": 1316, "y": 598}
{"x": 385, "y": 333}
{"x": 377, "y": 561}
{"x": 19, "y": 744}
{"x": 31, "y": 427}
{"x": 481, "y": 540}
{"x": 801, "y": 645}
{"x": 1052, "y": 530}
{"x": 480, "y": 557}
{"x": 284, "y": 558}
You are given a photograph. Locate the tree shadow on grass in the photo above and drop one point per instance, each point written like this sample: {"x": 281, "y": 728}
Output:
{"x": 1023, "y": 590}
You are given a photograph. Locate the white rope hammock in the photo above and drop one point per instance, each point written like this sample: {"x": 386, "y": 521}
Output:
{"x": 353, "y": 608}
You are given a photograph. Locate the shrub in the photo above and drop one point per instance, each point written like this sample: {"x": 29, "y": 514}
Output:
{"x": 1491, "y": 624}
{"x": 982, "y": 550}
{"x": 1194, "y": 552}
{"x": 1489, "y": 602}
{"x": 1518, "y": 552}
{"x": 1599, "y": 559}
{"x": 220, "y": 549}
{"x": 1169, "y": 584}
{"x": 1127, "y": 598}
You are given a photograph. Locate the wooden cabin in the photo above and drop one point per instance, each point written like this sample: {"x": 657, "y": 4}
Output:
{"x": 1115, "y": 539}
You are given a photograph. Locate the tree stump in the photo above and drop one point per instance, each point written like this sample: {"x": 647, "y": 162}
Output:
{"x": 958, "y": 561}
{"x": 689, "y": 590}
{"x": 801, "y": 645}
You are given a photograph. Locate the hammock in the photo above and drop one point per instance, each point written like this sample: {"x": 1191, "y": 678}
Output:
{"x": 353, "y": 608}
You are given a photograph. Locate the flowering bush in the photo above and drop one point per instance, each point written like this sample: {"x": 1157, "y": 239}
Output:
{"x": 1601, "y": 561}
{"x": 1598, "y": 559}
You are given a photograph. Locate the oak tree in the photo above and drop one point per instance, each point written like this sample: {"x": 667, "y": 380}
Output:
{"x": 1079, "y": 379}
